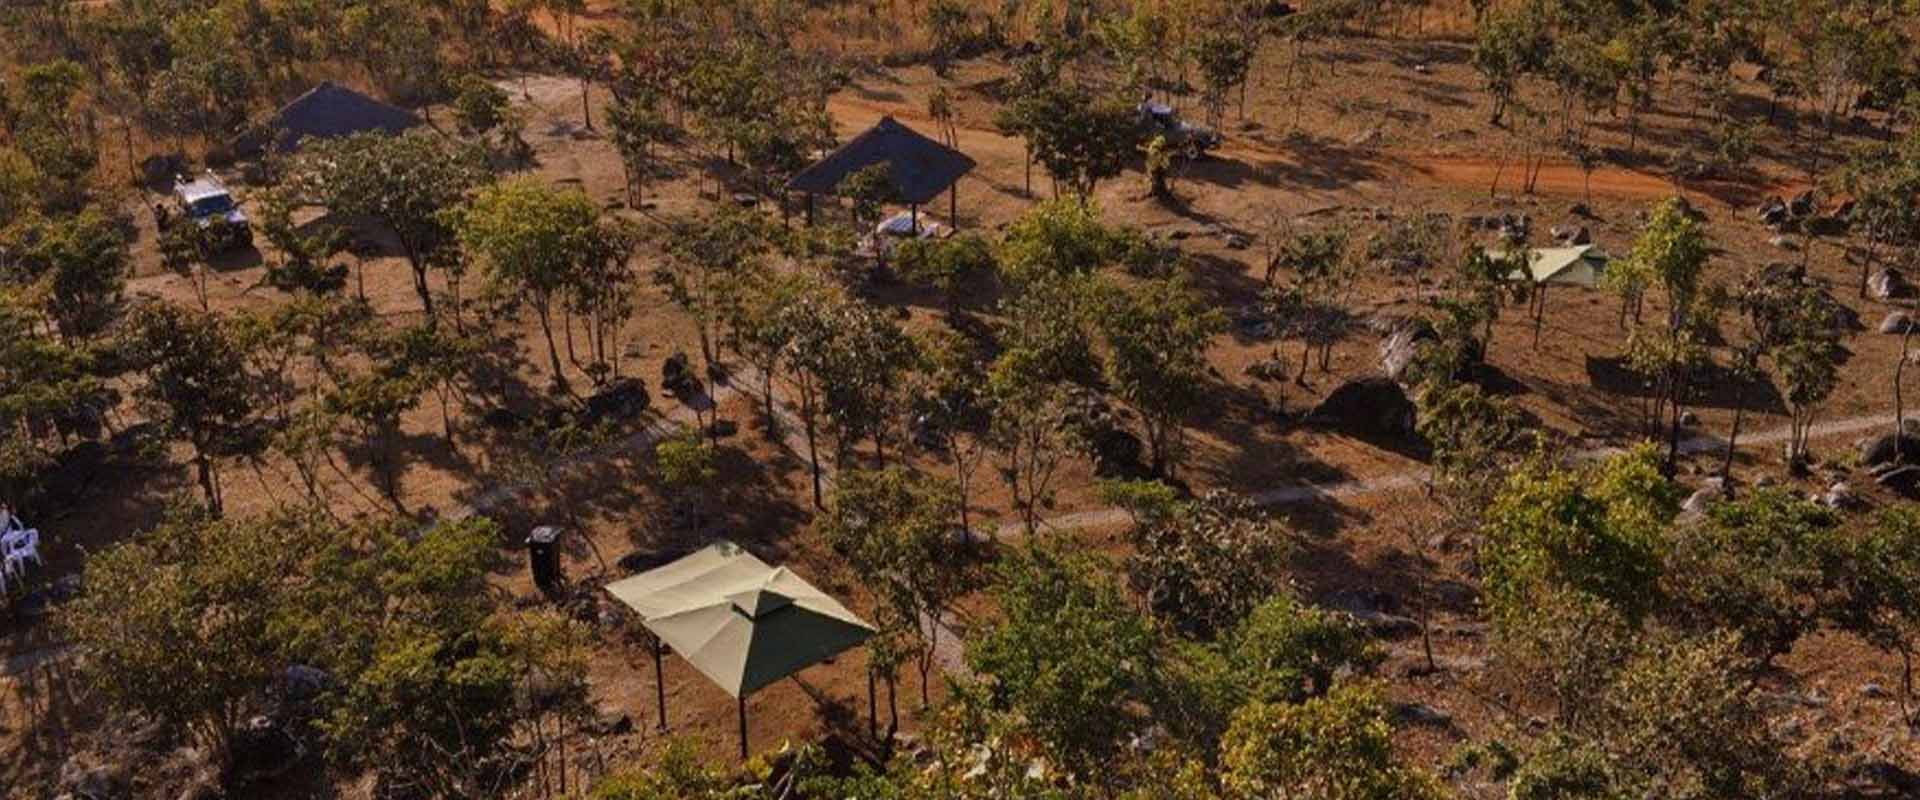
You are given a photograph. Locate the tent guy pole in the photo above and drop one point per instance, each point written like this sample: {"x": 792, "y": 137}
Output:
{"x": 742, "y": 700}
{"x": 659, "y": 684}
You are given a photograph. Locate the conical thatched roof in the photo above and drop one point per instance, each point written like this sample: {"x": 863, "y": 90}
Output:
{"x": 330, "y": 111}
{"x": 921, "y": 167}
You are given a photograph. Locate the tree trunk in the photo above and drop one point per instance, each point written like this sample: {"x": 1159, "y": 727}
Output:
{"x": 420, "y": 288}
{"x": 553, "y": 351}
{"x": 1733, "y": 436}
{"x": 204, "y": 467}
{"x": 813, "y": 446}
{"x": 1899, "y": 401}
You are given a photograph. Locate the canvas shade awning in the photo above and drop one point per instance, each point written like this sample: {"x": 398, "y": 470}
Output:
{"x": 1580, "y": 265}
{"x": 740, "y": 622}
{"x": 920, "y": 167}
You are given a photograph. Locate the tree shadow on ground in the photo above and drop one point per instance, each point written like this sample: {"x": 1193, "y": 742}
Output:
{"x": 1716, "y": 386}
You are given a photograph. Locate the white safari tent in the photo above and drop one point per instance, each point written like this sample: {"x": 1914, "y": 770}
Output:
{"x": 1579, "y": 265}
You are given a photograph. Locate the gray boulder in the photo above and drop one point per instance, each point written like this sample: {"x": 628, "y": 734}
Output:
{"x": 1371, "y": 407}
{"x": 1886, "y": 448}
{"x": 1896, "y": 322}
{"x": 1773, "y": 212}
{"x": 1889, "y": 284}
{"x": 1802, "y": 204}
{"x": 1839, "y": 495}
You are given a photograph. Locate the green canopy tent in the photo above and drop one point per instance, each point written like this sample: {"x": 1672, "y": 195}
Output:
{"x": 740, "y": 622}
{"x": 1579, "y": 265}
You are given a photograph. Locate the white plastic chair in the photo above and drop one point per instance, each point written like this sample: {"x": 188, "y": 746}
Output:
{"x": 20, "y": 547}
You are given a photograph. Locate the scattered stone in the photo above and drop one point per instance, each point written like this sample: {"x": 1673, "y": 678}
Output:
{"x": 1802, "y": 204}
{"x": 1402, "y": 346}
{"x": 1782, "y": 242}
{"x": 1773, "y": 212}
{"x": 1765, "y": 482}
{"x": 92, "y": 780}
{"x": 1889, "y": 284}
{"x": 1422, "y": 714}
{"x": 622, "y": 400}
{"x": 1580, "y": 210}
{"x": 1874, "y": 691}
{"x": 676, "y": 374}
{"x": 301, "y": 682}
{"x": 1388, "y": 626}
{"x": 1689, "y": 419}
{"x": 612, "y": 723}
{"x": 1236, "y": 241}
{"x": 745, "y": 200}
{"x": 1700, "y": 501}
{"x": 1896, "y": 322}
{"x": 1365, "y": 138}
{"x": 1904, "y": 479}
{"x": 1826, "y": 225}
{"x": 1178, "y": 234}
{"x": 1839, "y": 495}
{"x": 1422, "y": 69}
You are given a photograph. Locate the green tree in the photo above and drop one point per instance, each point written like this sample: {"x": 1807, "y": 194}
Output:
{"x": 1761, "y": 567}
{"x": 406, "y": 184}
{"x": 1512, "y": 43}
{"x": 1203, "y": 565}
{"x": 945, "y": 264}
{"x": 1157, "y": 334}
{"x": 637, "y": 128}
{"x": 1337, "y": 747}
{"x": 80, "y": 262}
{"x": 1070, "y": 657}
{"x": 182, "y": 624}
{"x": 1879, "y": 598}
{"x": 710, "y": 257}
{"x": 1080, "y": 137}
{"x": 192, "y": 389}
{"x": 1471, "y": 435}
{"x": 869, "y": 188}
{"x": 1224, "y": 55}
{"x": 480, "y": 106}
{"x": 1058, "y": 238}
{"x": 304, "y": 255}
{"x": 1597, "y": 531}
{"x": 533, "y": 240}
{"x": 895, "y": 528}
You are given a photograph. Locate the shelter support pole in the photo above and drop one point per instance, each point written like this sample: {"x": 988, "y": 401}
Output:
{"x": 914, "y": 211}
{"x": 809, "y": 209}
{"x": 953, "y": 203}
{"x": 873, "y": 707}
{"x": 659, "y": 685}
{"x": 742, "y": 699}
{"x": 1539, "y": 315}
